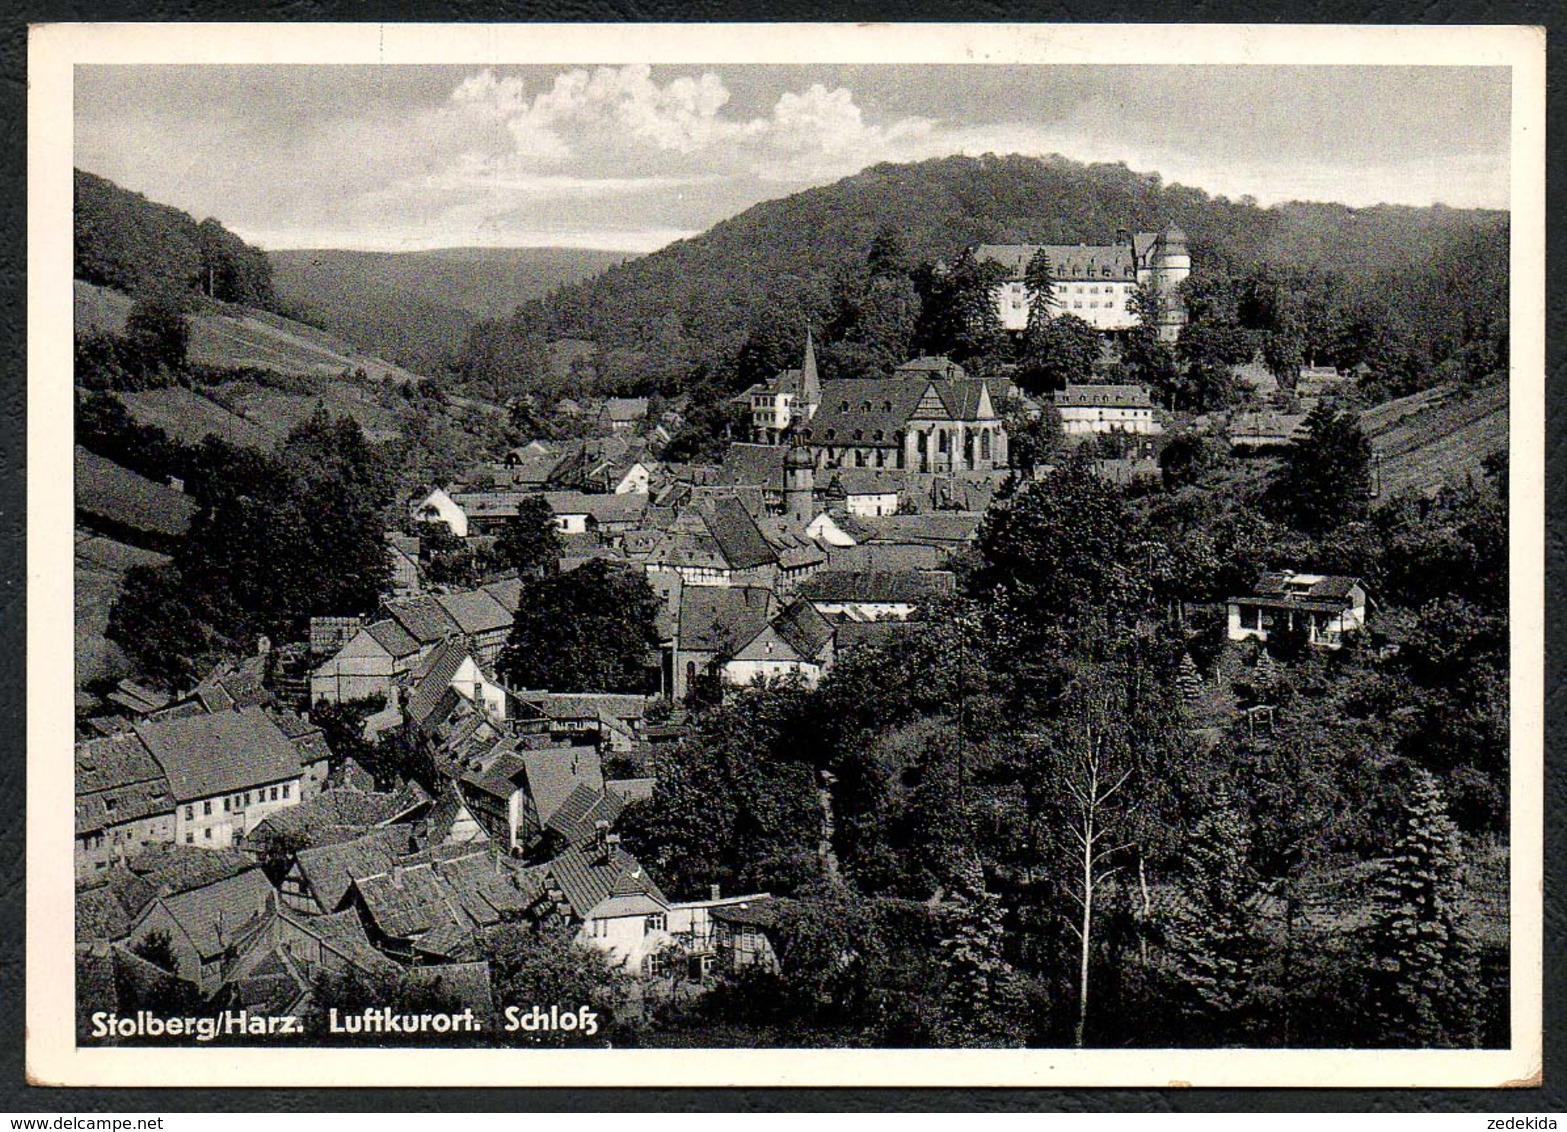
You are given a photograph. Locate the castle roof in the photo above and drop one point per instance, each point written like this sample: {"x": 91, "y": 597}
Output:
{"x": 1068, "y": 262}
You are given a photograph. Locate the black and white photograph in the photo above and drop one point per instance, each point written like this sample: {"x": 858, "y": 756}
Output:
{"x": 800, "y": 551}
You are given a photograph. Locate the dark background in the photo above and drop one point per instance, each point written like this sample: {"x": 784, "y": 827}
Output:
{"x": 17, "y": 1097}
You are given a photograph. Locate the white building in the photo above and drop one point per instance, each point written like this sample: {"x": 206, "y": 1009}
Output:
{"x": 1323, "y": 607}
{"x": 1096, "y": 282}
{"x": 1106, "y": 408}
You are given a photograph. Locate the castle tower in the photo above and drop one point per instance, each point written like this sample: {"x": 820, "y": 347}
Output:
{"x": 799, "y": 483}
{"x": 1172, "y": 264}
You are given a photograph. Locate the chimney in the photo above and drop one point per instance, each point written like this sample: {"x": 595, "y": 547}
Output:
{"x": 601, "y": 838}
{"x": 712, "y": 892}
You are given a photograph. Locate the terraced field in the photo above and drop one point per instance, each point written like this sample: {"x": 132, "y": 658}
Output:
{"x": 225, "y": 335}
{"x": 1437, "y": 436}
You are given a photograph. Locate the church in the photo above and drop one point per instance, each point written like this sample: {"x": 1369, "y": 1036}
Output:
{"x": 927, "y": 416}
{"x": 1096, "y": 282}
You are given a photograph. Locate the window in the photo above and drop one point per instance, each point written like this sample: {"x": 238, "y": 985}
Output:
{"x": 886, "y": 406}
{"x": 658, "y": 965}
{"x": 226, "y": 806}
{"x": 654, "y": 923}
{"x": 190, "y": 813}
{"x": 206, "y": 809}
{"x": 843, "y": 406}
{"x": 859, "y": 457}
{"x": 274, "y": 794}
{"x": 190, "y": 839}
{"x": 109, "y": 804}
{"x": 247, "y": 800}
{"x": 207, "y": 833}
{"x": 984, "y": 445}
{"x": 942, "y": 441}
{"x": 286, "y": 785}
{"x": 859, "y": 434}
{"x": 865, "y": 406}
{"x": 1248, "y": 617}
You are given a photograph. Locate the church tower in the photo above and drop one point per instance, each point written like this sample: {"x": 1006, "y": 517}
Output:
{"x": 799, "y": 483}
{"x": 810, "y": 394}
{"x": 1172, "y": 264}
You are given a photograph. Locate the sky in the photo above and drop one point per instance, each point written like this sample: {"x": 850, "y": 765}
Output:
{"x": 399, "y": 158}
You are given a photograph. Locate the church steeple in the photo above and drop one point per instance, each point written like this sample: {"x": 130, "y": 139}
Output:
{"x": 810, "y": 383}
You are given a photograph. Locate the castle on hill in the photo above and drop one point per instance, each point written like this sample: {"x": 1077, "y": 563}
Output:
{"x": 1096, "y": 282}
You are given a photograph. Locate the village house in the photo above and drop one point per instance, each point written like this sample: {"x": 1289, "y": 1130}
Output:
{"x": 798, "y": 642}
{"x": 226, "y": 772}
{"x": 205, "y": 926}
{"x": 1099, "y": 409}
{"x": 1265, "y": 431}
{"x": 739, "y": 933}
{"x": 439, "y": 507}
{"x": 579, "y": 513}
{"x": 866, "y": 491}
{"x": 367, "y": 665}
{"x": 539, "y": 801}
{"x": 606, "y": 894}
{"x": 711, "y": 624}
{"x": 622, "y": 414}
{"x": 1324, "y": 609}
{"x": 278, "y": 964}
{"x": 318, "y": 880}
{"x": 123, "y": 803}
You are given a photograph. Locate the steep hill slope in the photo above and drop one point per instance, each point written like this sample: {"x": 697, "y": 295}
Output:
{"x": 697, "y": 298}
{"x": 1437, "y": 436}
{"x": 417, "y": 307}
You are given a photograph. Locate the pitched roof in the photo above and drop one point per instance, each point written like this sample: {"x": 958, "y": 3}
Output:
{"x": 586, "y": 705}
{"x": 868, "y": 481}
{"x": 475, "y": 611}
{"x": 342, "y": 809}
{"x": 507, "y": 591}
{"x": 1104, "y": 396}
{"x": 964, "y": 399}
{"x": 865, "y": 412}
{"x": 721, "y": 618}
{"x": 422, "y": 617}
{"x": 434, "y": 677}
{"x": 937, "y": 527}
{"x": 629, "y": 790}
{"x": 938, "y": 365}
{"x": 627, "y": 507}
{"x": 587, "y": 879}
{"x": 753, "y": 465}
{"x": 393, "y": 638}
{"x": 207, "y": 755}
{"x": 803, "y": 629}
{"x": 576, "y": 819}
{"x": 625, "y": 408}
{"x": 1326, "y": 592}
{"x": 552, "y": 774}
{"x": 330, "y": 868}
{"x": 900, "y": 586}
{"x": 1068, "y": 262}
{"x": 736, "y": 534}
{"x": 213, "y": 915}
{"x": 761, "y": 912}
{"x": 118, "y": 780}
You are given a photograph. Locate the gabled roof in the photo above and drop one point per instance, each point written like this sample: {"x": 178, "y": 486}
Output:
{"x": 344, "y": 808}
{"x": 552, "y": 774}
{"x": 434, "y": 677}
{"x": 207, "y": 755}
{"x": 329, "y": 869}
{"x": 803, "y": 629}
{"x": 118, "y": 780}
{"x": 393, "y": 638}
{"x": 1104, "y": 396}
{"x": 628, "y": 507}
{"x": 865, "y": 412}
{"x": 938, "y": 365}
{"x": 625, "y": 408}
{"x": 721, "y": 618}
{"x": 761, "y": 912}
{"x": 423, "y": 618}
{"x": 900, "y": 586}
{"x": 475, "y": 611}
{"x": 507, "y": 591}
{"x": 588, "y": 879}
{"x": 577, "y": 818}
{"x": 752, "y": 465}
{"x": 736, "y": 534}
{"x": 212, "y": 916}
{"x": 868, "y": 481}
{"x": 1312, "y": 591}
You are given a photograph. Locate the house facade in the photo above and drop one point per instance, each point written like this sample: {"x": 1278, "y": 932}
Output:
{"x": 1325, "y": 609}
{"x": 1087, "y": 409}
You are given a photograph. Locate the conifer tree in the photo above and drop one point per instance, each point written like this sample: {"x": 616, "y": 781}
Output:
{"x": 982, "y": 1002}
{"x": 1211, "y": 931}
{"x": 1423, "y": 981}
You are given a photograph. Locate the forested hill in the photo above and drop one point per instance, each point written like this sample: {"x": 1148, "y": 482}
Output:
{"x": 416, "y": 308}
{"x": 696, "y": 300}
{"x": 125, "y": 241}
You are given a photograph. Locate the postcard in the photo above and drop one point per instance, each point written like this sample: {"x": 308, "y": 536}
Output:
{"x": 785, "y": 555}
